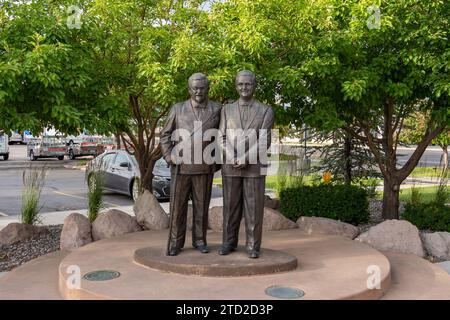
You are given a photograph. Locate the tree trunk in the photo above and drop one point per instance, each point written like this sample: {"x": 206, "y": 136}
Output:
{"x": 118, "y": 144}
{"x": 391, "y": 199}
{"x": 147, "y": 177}
{"x": 347, "y": 159}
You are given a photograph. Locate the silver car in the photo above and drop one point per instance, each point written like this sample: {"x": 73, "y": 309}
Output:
{"x": 46, "y": 147}
{"x": 121, "y": 174}
{"x": 4, "y": 148}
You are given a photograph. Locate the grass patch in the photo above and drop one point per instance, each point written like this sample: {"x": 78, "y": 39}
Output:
{"x": 419, "y": 172}
{"x": 427, "y": 194}
{"x": 81, "y": 163}
{"x": 33, "y": 182}
{"x": 271, "y": 181}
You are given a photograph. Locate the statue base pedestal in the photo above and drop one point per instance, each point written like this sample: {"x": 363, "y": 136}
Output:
{"x": 237, "y": 263}
{"x": 329, "y": 267}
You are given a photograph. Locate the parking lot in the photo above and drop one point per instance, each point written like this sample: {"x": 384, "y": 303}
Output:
{"x": 65, "y": 187}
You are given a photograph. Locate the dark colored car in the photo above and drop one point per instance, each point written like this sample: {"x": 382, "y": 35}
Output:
{"x": 122, "y": 175}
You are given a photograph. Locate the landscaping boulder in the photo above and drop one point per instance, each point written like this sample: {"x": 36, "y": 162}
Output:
{"x": 76, "y": 232}
{"x": 16, "y": 232}
{"x": 149, "y": 213}
{"x": 215, "y": 218}
{"x": 113, "y": 223}
{"x": 437, "y": 244}
{"x": 273, "y": 220}
{"x": 271, "y": 203}
{"x": 394, "y": 235}
{"x": 319, "y": 225}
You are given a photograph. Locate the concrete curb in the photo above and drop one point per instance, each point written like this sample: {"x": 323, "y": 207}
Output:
{"x": 81, "y": 168}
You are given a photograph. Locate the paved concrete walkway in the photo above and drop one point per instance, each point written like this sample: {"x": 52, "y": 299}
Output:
{"x": 411, "y": 277}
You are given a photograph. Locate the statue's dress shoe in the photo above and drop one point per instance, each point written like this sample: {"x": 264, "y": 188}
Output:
{"x": 253, "y": 254}
{"x": 202, "y": 248}
{"x": 173, "y": 252}
{"x": 225, "y": 251}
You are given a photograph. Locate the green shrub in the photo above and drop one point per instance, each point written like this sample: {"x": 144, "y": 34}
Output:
{"x": 431, "y": 215}
{"x": 95, "y": 196}
{"x": 442, "y": 193}
{"x": 33, "y": 182}
{"x": 346, "y": 203}
{"x": 428, "y": 216}
{"x": 416, "y": 196}
{"x": 281, "y": 184}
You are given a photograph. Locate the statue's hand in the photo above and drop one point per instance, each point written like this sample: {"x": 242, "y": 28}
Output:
{"x": 239, "y": 165}
{"x": 169, "y": 161}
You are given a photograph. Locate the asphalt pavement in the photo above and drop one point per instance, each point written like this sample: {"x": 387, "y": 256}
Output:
{"x": 64, "y": 189}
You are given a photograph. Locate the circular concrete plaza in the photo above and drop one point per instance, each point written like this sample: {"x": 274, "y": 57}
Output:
{"x": 328, "y": 267}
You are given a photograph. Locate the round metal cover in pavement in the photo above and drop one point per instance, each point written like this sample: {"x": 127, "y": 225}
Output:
{"x": 101, "y": 275}
{"x": 284, "y": 292}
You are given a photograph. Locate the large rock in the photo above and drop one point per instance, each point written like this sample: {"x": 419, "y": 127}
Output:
{"x": 394, "y": 235}
{"x": 215, "y": 218}
{"x": 76, "y": 232}
{"x": 271, "y": 203}
{"x": 437, "y": 244}
{"x": 149, "y": 213}
{"x": 16, "y": 232}
{"x": 319, "y": 225}
{"x": 273, "y": 220}
{"x": 113, "y": 223}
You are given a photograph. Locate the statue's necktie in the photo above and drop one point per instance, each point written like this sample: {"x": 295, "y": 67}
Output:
{"x": 199, "y": 112}
{"x": 244, "y": 114}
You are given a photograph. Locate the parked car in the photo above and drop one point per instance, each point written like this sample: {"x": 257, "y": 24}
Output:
{"x": 4, "y": 148}
{"x": 86, "y": 146}
{"x": 46, "y": 147}
{"x": 121, "y": 174}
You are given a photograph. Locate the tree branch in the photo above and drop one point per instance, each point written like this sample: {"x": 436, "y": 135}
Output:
{"x": 375, "y": 152}
{"x": 415, "y": 157}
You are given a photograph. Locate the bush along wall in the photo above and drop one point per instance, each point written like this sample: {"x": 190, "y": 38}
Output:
{"x": 346, "y": 203}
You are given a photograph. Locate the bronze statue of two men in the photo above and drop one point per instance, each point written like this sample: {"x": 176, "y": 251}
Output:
{"x": 243, "y": 133}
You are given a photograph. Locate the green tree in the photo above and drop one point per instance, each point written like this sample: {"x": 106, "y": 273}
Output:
{"x": 145, "y": 51}
{"x": 345, "y": 157}
{"x": 351, "y": 68}
{"x": 46, "y": 69}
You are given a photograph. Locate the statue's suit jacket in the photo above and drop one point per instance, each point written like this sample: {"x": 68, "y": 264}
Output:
{"x": 182, "y": 116}
{"x": 260, "y": 116}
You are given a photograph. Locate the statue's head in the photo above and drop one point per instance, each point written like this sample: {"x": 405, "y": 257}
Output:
{"x": 198, "y": 87}
{"x": 245, "y": 84}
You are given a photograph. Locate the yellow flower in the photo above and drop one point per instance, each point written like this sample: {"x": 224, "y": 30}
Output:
{"x": 327, "y": 176}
